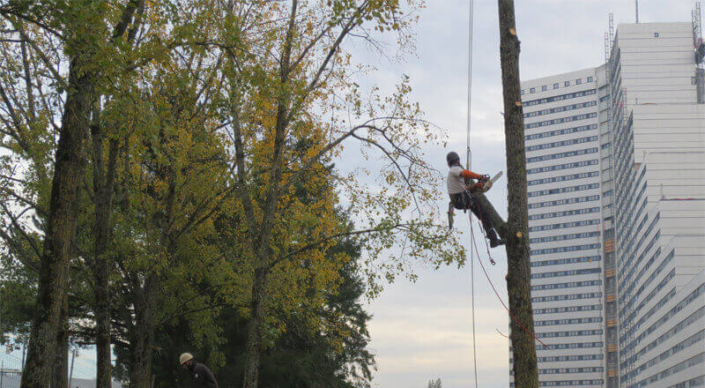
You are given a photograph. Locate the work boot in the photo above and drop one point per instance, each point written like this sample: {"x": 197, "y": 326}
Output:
{"x": 497, "y": 242}
{"x": 494, "y": 240}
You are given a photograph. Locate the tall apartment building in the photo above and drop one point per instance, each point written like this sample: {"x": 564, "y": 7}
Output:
{"x": 565, "y": 226}
{"x": 658, "y": 141}
{"x": 616, "y": 175}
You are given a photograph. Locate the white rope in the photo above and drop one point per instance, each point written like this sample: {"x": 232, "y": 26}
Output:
{"x": 469, "y": 164}
{"x": 470, "y": 38}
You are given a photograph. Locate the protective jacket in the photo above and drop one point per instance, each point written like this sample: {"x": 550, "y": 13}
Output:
{"x": 202, "y": 376}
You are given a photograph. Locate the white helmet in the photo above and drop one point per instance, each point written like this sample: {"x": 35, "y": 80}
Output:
{"x": 185, "y": 357}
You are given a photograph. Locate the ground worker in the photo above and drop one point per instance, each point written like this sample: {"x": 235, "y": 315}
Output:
{"x": 460, "y": 194}
{"x": 202, "y": 376}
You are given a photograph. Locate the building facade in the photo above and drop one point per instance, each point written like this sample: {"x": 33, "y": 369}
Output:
{"x": 658, "y": 140}
{"x": 616, "y": 185}
{"x": 562, "y": 122}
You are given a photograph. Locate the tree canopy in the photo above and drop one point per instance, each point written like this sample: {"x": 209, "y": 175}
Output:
{"x": 168, "y": 179}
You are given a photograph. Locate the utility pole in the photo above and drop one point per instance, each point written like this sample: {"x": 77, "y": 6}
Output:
{"x": 73, "y": 358}
{"x": 24, "y": 351}
{"x": 517, "y": 225}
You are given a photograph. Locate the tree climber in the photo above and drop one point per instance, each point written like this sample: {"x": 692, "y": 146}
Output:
{"x": 461, "y": 194}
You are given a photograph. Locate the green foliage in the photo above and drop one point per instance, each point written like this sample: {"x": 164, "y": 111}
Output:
{"x": 318, "y": 352}
{"x": 17, "y": 297}
{"x": 223, "y": 120}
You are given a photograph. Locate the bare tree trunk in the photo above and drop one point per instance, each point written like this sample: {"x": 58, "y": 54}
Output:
{"x": 517, "y": 226}
{"x": 61, "y": 227}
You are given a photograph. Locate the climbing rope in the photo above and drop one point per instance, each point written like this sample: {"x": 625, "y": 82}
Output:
{"x": 469, "y": 162}
{"x": 484, "y": 270}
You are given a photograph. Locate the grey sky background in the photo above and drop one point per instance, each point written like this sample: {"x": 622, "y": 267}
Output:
{"x": 422, "y": 331}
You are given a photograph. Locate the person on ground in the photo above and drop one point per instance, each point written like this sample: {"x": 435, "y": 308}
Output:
{"x": 461, "y": 194}
{"x": 202, "y": 376}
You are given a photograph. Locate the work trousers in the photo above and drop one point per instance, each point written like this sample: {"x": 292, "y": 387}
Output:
{"x": 464, "y": 201}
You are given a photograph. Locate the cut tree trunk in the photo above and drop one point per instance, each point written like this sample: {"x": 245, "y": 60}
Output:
{"x": 517, "y": 226}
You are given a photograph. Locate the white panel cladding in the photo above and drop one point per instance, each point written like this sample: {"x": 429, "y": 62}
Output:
{"x": 660, "y": 206}
{"x": 657, "y": 206}
{"x": 567, "y": 296}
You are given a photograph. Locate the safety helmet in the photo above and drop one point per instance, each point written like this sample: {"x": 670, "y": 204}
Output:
{"x": 185, "y": 357}
{"x": 452, "y": 158}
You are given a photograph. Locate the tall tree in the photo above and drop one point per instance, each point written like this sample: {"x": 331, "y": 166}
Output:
{"x": 517, "y": 226}
{"x": 295, "y": 72}
{"x": 84, "y": 25}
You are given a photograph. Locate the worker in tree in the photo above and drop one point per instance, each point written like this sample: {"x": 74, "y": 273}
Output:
{"x": 202, "y": 376}
{"x": 461, "y": 194}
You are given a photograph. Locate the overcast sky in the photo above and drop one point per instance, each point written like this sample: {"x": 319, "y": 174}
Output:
{"x": 422, "y": 331}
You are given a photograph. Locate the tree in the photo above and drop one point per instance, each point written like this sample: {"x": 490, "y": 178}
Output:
{"x": 517, "y": 226}
{"x": 317, "y": 352}
{"x": 83, "y": 35}
{"x": 435, "y": 383}
{"x": 279, "y": 87}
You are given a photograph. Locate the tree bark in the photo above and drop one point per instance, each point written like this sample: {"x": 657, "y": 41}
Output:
{"x": 253, "y": 344}
{"x": 60, "y": 369}
{"x": 103, "y": 189}
{"x": 142, "y": 336}
{"x": 61, "y": 227}
{"x": 517, "y": 226}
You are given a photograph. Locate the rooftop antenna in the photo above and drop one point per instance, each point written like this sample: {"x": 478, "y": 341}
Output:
{"x": 611, "y": 30}
{"x": 637, "y": 11}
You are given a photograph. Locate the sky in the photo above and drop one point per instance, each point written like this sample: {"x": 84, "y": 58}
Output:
{"x": 423, "y": 330}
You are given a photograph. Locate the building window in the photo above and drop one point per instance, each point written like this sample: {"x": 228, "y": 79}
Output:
{"x": 522, "y": 92}
{"x": 567, "y": 83}
{"x": 544, "y": 88}
{"x": 578, "y": 81}
{"x": 590, "y": 79}
{"x": 532, "y": 90}
{"x": 556, "y": 85}
{"x": 657, "y": 35}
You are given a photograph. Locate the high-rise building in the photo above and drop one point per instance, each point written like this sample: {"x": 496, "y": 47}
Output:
{"x": 616, "y": 183}
{"x": 565, "y": 226}
{"x": 658, "y": 141}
